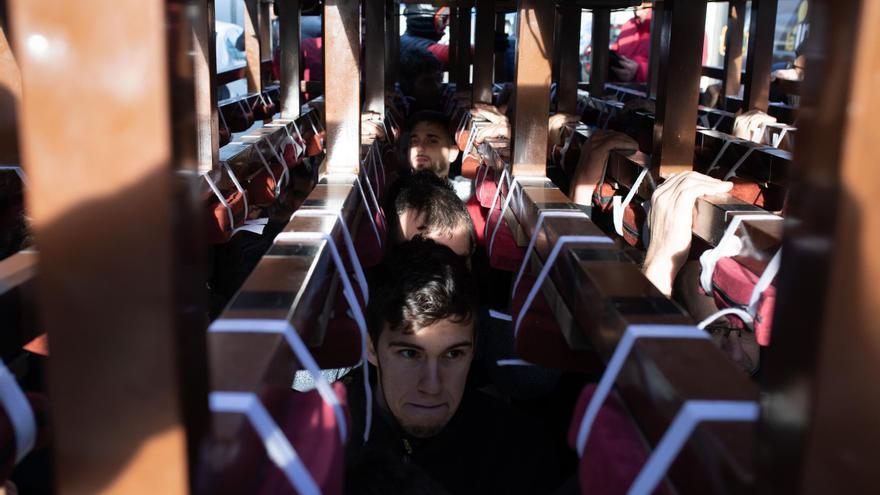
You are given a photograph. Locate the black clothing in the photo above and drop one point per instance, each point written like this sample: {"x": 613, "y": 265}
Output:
{"x": 486, "y": 448}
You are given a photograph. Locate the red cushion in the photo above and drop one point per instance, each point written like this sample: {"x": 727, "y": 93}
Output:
{"x": 615, "y": 453}
{"x": 634, "y": 215}
{"x": 469, "y": 166}
{"x": 315, "y": 144}
{"x": 341, "y": 347}
{"x": 217, "y": 227}
{"x": 461, "y": 138}
{"x": 732, "y": 285}
{"x": 262, "y": 187}
{"x": 238, "y": 117}
{"x": 478, "y": 216}
{"x": 369, "y": 250}
{"x": 311, "y": 426}
{"x": 485, "y": 185}
{"x": 263, "y": 109}
{"x": 506, "y": 254}
{"x": 540, "y": 340}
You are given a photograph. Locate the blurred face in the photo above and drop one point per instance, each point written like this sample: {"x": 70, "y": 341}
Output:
{"x": 430, "y": 148}
{"x": 422, "y": 375}
{"x": 413, "y": 224}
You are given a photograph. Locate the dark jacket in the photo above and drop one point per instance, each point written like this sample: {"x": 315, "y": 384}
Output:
{"x": 486, "y": 448}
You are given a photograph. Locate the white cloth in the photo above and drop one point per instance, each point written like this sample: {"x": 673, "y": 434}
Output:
{"x": 463, "y": 187}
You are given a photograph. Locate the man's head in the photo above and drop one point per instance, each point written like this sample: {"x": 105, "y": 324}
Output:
{"x": 429, "y": 143}
{"x": 422, "y": 334}
{"x": 421, "y": 77}
{"x": 426, "y": 205}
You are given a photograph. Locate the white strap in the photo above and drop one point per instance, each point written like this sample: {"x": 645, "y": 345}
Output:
{"x": 240, "y": 189}
{"x": 704, "y": 120}
{"x": 764, "y": 281}
{"x": 268, "y": 169}
{"x": 356, "y": 178}
{"x": 729, "y": 245}
{"x": 548, "y": 264}
{"x": 20, "y": 413}
{"x": 741, "y": 313}
{"x": 724, "y": 147}
{"x": 732, "y": 172}
{"x": 501, "y": 180}
{"x": 222, "y": 200}
{"x": 353, "y": 304}
{"x": 512, "y": 187}
{"x": 536, "y": 232}
{"x": 621, "y": 352}
{"x": 618, "y": 206}
{"x": 498, "y": 315}
{"x": 777, "y": 139}
{"x": 349, "y": 245}
{"x": 691, "y": 414}
{"x": 479, "y": 180}
{"x": 471, "y": 136}
{"x": 285, "y": 175}
{"x": 299, "y": 349}
{"x": 18, "y": 171}
{"x": 277, "y": 445}
{"x": 513, "y": 362}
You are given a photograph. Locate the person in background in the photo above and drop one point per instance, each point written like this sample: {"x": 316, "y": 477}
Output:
{"x": 633, "y": 47}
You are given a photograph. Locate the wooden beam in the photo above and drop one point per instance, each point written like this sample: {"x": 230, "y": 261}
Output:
{"x": 462, "y": 42}
{"x": 127, "y": 370}
{"x": 656, "y": 37}
{"x": 599, "y": 42}
{"x": 10, "y": 95}
{"x": 252, "y": 54}
{"x": 500, "y": 57}
{"x": 342, "y": 41}
{"x": 818, "y": 430}
{"x": 733, "y": 42}
{"x": 762, "y": 26}
{"x": 374, "y": 72}
{"x": 288, "y": 32}
{"x": 484, "y": 44}
{"x": 532, "y": 93}
{"x": 569, "y": 58}
{"x": 392, "y": 44}
{"x": 206, "y": 87}
{"x": 678, "y": 91}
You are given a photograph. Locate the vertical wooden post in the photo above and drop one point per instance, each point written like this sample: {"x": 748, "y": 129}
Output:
{"x": 288, "y": 32}
{"x": 756, "y": 94}
{"x": 463, "y": 48}
{"x": 374, "y": 82}
{"x": 484, "y": 41}
{"x": 532, "y": 93}
{"x": 206, "y": 88}
{"x": 392, "y": 43}
{"x": 342, "y": 85}
{"x": 569, "y": 54}
{"x": 265, "y": 36}
{"x": 599, "y": 62}
{"x": 500, "y": 57}
{"x": 127, "y": 374}
{"x": 656, "y": 37}
{"x": 736, "y": 20}
{"x": 10, "y": 94}
{"x": 678, "y": 92}
{"x": 818, "y": 429}
{"x": 253, "y": 55}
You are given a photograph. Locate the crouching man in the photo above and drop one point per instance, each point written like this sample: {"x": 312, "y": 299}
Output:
{"x": 422, "y": 326}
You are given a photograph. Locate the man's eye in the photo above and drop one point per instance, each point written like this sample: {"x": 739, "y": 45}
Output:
{"x": 434, "y": 141}
{"x": 455, "y": 354}
{"x": 408, "y": 353}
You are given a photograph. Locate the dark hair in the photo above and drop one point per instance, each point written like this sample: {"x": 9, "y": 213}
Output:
{"x": 427, "y": 195}
{"x": 414, "y": 63}
{"x": 419, "y": 282}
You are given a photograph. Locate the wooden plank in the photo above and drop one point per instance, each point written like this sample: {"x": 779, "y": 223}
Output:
{"x": 462, "y": 41}
{"x": 500, "y": 57}
{"x": 342, "y": 26}
{"x": 569, "y": 57}
{"x": 599, "y": 42}
{"x": 681, "y": 50}
{"x": 253, "y": 57}
{"x": 288, "y": 28}
{"x": 484, "y": 41}
{"x": 10, "y": 94}
{"x": 762, "y": 26}
{"x": 392, "y": 44}
{"x": 206, "y": 87}
{"x": 733, "y": 41}
{"x": 818, "y": 430}
{"x": 374, "y": 54}
{"x": 532, "y": 92}
{"x": 656, "y": 36}
{"x": 114, "y": 281}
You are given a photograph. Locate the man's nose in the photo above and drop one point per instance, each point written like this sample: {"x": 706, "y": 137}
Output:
{"x": 430, "y": 381}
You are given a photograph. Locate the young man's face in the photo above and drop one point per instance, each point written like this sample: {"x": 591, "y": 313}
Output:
{"x": 431, "y": 148}
{"x": 422, "y": 375}
{"x": 412, "y": 224}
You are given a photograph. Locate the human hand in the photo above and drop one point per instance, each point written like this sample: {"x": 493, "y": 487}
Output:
{"x": 594, "y": 155}
{"x": 371, "y": 126}
{"x": 555, "y": 125}
{"x": 750, "y": 125}
{"x": 670, "y": 221}
{"x": 498, "y": 127}
{"x": 627, "y": 69}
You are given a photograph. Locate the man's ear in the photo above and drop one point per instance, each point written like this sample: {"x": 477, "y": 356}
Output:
{"x": 371, "y": 353}
{"x": 453, "y": 151}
